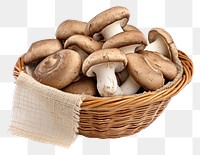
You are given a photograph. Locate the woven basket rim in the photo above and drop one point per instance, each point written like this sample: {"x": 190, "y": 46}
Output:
{"x": 146, "y": 97}
{"x": 113, "y": 117}
{"x": 117, "y": 101}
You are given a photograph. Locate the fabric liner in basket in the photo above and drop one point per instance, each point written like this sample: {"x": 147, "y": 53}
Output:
{"x": 43, "y": 113}
{"x": 113, "y": 117}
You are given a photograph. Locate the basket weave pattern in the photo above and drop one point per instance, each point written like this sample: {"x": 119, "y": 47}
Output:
{"x": 113, "y": 117}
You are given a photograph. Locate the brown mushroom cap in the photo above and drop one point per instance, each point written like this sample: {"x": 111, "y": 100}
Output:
{"x": 85, "y": 86}
{"x": 69, "y": 28}
{"x": 87, "y": 44}
{"x": 162, "y": 63}
{"x": 59, "y": 69}
{"x": 155, "y": 33}
{"x": 104, "y": 56}
{"x": 41, "y": 49}
{"x": 107, "y": 17}
{"x": 143, "y": 73}
{"x": 125, "y": 39}
{"x": 130, "y": 28}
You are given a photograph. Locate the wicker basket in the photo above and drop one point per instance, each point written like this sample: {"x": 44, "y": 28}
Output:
{"x": 120, "y": 116}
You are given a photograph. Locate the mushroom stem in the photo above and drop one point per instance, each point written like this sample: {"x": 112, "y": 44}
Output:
{"x": 106, "y": 79}
{"x": 130, "y": 86}
{"x": 130, "y": 48}
{"x": 112, "y": 30}
{"x": 159, "y": 45}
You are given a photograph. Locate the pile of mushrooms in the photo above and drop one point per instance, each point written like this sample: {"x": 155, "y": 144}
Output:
{"x": 104, "y": 57}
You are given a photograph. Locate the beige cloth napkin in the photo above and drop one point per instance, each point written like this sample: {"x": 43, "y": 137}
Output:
{"x": 44, "y": 114}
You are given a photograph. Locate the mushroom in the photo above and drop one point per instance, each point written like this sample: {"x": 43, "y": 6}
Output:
{"x": 130, "y": 86}
{"x": 123, "y": 75}
{"x": 80, "y": 76}
{"x": 85, "y": 86}
{"x": 162, "y": 63}
{"x": 128, "y": 42}
{"x": 143, "y": 73}
{"x": 69, "y": 28}
{"x": 98, "y": 37}
{"x": 84, "y": 45}
{"x": 108, "y": 22}
{"x": 162, "y": 42}
{"x": 103, "y": 64}
{"x": 41, "y": 49}
{"x": 59, "y": 69}
{"x": 130, "y": 28}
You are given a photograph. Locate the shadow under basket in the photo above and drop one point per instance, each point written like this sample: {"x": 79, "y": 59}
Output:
{"x": 119, "y": 116}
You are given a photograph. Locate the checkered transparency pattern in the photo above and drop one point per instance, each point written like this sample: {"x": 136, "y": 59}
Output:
{"x": 176, "y": 131}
